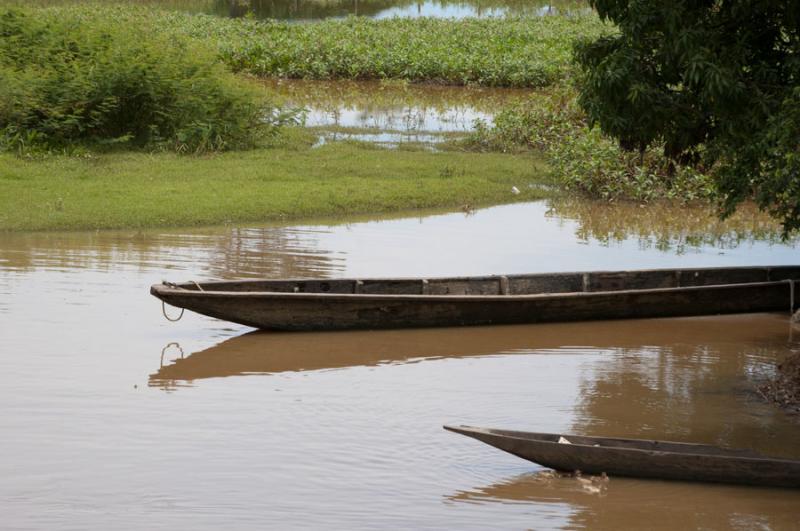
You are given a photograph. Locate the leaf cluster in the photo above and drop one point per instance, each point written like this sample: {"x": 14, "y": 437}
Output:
{"x": 584, "y": 159}
{"x": 711, "y": 81}
{"x": 67, "y": 81}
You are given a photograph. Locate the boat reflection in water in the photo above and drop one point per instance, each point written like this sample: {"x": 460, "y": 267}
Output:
{"x": 633, "y": 504}
{"x": 681, "y": 379}
{"x": 276, "y": 352}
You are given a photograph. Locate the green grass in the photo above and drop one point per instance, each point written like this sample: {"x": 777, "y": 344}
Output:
{"x": 139, "y": 190}
{"x": 508, "y": 52}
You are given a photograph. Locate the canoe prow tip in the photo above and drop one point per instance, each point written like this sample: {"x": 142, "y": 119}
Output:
{"x": 462, "y": 429}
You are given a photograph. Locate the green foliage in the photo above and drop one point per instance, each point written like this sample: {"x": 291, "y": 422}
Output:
{"x": 583, "y": 159}
{"x": 67, "y": 81}
{"x": 516, "y": 52}
{"x": 709, "y": 81}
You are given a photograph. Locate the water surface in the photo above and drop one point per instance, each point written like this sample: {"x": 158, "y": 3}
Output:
{"x": 391, "y": 112}
{"x": 309, "y": 10}
{"x": 113, "y": 417}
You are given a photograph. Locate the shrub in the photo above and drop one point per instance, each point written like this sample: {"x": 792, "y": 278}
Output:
{"x": 582, "y": 158}
{"x": 67, "y": 81}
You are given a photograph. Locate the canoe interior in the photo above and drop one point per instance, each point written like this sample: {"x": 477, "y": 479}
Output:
{"x": 600, "y": 281}
{"x": 609, "y": 442}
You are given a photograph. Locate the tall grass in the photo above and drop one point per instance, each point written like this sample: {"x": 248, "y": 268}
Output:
{"x": 68, "y": 80}
{"x": 505, "y": 52}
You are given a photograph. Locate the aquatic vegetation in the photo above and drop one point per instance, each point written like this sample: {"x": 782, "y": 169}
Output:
{"x": 332, "y": 96}
{"x": 509, "y": 52}
{"x": 67, "y": 80}
{"x": 520, "y": 52}
{"x": 582, "y": 159}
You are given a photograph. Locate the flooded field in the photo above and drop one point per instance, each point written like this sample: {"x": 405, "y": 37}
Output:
{"x": 307, "y": 10}
{"x": 390, "y": 113}
{"x": 113, "y": 417}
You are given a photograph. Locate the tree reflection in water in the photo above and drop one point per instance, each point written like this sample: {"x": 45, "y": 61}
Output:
{"x": 667, "y": 227}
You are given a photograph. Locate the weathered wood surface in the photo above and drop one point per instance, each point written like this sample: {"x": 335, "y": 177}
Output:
{"x": 404, "y": 303}
{"x": 641, "y": 458}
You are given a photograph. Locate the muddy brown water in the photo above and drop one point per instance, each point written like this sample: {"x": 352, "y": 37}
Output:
{"x": 390, "y": 112}
{"x": 113, "y": 417}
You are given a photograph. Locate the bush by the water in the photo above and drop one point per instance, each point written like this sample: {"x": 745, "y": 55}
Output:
{"x": 67, "y": 80}
{"x": 582, "y": 158}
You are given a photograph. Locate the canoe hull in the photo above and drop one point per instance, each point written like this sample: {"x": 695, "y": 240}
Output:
{"x": 655, "y": 460}
{"x": 313, "y": 311}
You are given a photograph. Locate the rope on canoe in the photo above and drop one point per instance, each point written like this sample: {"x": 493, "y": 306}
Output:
{"x": 167, "y": 317}
{"x": 175, "y": 286}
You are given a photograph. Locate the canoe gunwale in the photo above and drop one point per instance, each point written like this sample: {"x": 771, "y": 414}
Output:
{"x": 472, "y": 431}
{"x": 768, "y": 270}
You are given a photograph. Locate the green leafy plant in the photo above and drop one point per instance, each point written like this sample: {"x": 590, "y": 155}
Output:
{"x": 66, "y": 80}
{"x": 705, "y": 81}
{"x": 584, "y": 159}
{"x": 498, "y": 52}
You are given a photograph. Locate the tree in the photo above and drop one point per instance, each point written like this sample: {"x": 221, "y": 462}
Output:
{"x": 718, "y": 82}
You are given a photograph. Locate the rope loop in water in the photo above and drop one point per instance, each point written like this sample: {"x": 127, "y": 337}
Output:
{"x": 172, "y": 344}
{"x": 167, "y": 317}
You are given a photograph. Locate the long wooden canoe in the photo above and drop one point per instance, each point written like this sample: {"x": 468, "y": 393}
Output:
{"x": 335, "y": 304}
{"x": 640, "y": 458}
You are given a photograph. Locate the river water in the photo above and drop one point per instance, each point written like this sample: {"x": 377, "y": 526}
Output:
{"x": 309, "y": 10}
{"x": 115, "y": 418}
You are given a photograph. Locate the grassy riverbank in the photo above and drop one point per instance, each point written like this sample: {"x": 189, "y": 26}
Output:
{"x": 139, "y": 190}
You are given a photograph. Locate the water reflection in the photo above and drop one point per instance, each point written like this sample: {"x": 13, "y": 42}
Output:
{"x": 632, "y": 344}
{"x": 635, "y": 504}
{"x": 687, "y": 393}
{"x": 320, "y": 9}
{"x": 306, "y": 10}
{"x": 667, "y": 227}
{"x": 235, "y": 252}
{"x": 390, "y": 112}
{"x": 519, "y": 238}
{"x": 688, "y": 380}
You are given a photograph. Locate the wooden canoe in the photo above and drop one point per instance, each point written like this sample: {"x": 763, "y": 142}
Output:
{"x": 641, "y": 458}
{"x": 336, "y": 304}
